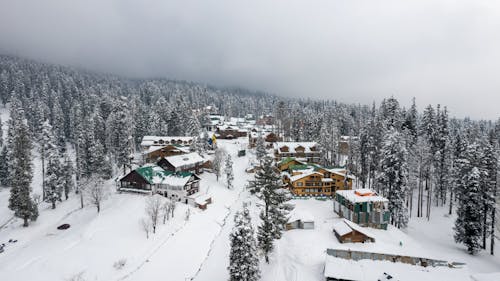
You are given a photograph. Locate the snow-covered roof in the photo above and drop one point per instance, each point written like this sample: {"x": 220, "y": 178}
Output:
{"x": 361, "y": 196}
{"x": 185, "y": 159}
{"x": 344, "y": 269}
{"x": 164, "y": 140}
{"x": 293, "y": 145}
{"x": 341, "y": 228}
{"x": 339, "y": 171}
{"x": 301, "y": 215}
{"x": 200, "y": 199}
{"x": 345, "y": 226}
{"x": 494, "y": 276}
{"x": 300, "y": 176}
{"x": 154, "y": 148}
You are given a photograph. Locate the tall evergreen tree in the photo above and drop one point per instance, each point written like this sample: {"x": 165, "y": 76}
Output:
{"x": 243, "y": 259}
{"x": 20, "y": 167}
{"x": 228, "y": 170}
{"x": 394, "y": 176}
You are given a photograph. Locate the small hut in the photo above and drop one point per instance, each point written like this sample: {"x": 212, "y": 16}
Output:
{"x": 348, "y": 232}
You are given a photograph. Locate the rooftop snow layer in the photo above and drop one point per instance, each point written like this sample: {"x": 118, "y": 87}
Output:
{"x": 185, "y": 159}
{"x": 293, "y": 145}
{"x": 353, "y": 197}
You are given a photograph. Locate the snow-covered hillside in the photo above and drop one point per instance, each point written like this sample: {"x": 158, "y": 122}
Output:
{"x": 198, "y": 248}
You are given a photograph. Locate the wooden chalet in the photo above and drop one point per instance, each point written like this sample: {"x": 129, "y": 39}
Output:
{"x": 269, "y": 139}
{"x": 155, "y": 153}
{"x": 230, "y": 132}
{"x": 190, "y": 162}
{"x": 303, "y": 151}
{"x": 348, "y": 232}
{"x": 362, "y": 206}
{"x": 313, "y": 180}
{"x": 154, "y": 179}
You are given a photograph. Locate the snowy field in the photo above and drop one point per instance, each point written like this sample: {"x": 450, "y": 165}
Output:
{"x": 198, "y": 249}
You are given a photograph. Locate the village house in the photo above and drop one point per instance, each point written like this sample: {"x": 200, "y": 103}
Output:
{"x": 156, "y": 147}
{"x": 313, "y": 180}
{"x": 303, "y": 151}
{"x": 230, "y": 132}
{"x": 212, "y": 122}
{"x": 153, "y": 179}
{"x": 300, "y": 220}
{"x": 348, "y": 232}
{"x": 190, "y": 162}
{"x": 362, "y": 206}
{"x": 269, "y": 138}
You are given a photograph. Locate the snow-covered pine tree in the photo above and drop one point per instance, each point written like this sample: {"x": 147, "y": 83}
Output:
{"x": 265, "y": 237}
{"x": 228, "y": 170}
{"x": 489, "y": 183}
{"x": 20, "y": 167}
{"x": 53, "y": 180}
{"x": 243, "y": 259}
{"x": 268, "y": 186}
{"x": 67, "y": 176}
{"x": 260, "y": 147}
{"x": 4, "y": 167}
{"x": 468, "y": 225}
{"x": 393, "y": 177}
{"x": 46, "y": 149}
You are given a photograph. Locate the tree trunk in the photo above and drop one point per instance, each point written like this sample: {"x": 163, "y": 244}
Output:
{"x": 451, "y": 202}
{"x": 43, "y": 177}
{"x": 492, "y": 234}
{"x": 81, "y": 200}
{"x": 98, "y": 205}
{"x": 429, "y": 199}
{"x": 25, "y": 224}
{"x": 485, "y": 224}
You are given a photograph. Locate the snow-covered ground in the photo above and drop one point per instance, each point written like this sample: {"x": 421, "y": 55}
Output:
{"x": 198, "y": 249}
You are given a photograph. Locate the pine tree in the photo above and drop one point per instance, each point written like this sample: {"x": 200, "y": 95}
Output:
{"x": 260, "y": 147}
{"x": 67, "y": 176}
{"x": 268, "y": 187}
{"x": 265, "y": 235}
{"x": 468, "y": 227}
{"x": 20, "y": 167}
{"x": 53, "y": 181}
{"x": 46, "y": 149}
{"x": 4, "y": 167}
{"x": 228, "y": 170}
{"x": 394, "y": 177}
{"x": 243, "y": 259}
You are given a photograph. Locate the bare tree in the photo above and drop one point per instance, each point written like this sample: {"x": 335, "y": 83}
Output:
{"x": 218, "y": 162}
{"x": 165, "y": 209}
{"x": 95, "y": 193}
{"x": 146, "y": 226}
{"x": 153, "y": 209}
{"x": 172, "y": 208}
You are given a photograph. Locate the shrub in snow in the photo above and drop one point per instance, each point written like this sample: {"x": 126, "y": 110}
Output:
{"x": 119, "y": 264}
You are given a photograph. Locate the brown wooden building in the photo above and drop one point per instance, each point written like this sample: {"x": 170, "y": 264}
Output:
{"x": 349, "y": 232}
{"x": 190, "y": 162}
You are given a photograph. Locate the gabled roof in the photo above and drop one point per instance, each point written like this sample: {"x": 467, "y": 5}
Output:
{"x": 301, "y": 176}
{"x": 345, "y": 226}
{"x": 293, "y": 145}
{"x": 163, "y": 140}
{"x": 355, "y": 198}
{"x": 185, "y": 159}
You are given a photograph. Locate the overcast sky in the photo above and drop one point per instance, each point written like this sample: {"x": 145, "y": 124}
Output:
{"x": 439, "y": 51}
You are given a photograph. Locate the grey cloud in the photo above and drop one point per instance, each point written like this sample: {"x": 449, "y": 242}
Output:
{"x": 440, "y": 51}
